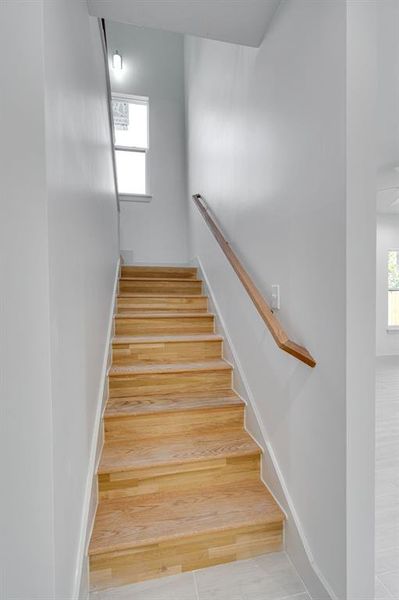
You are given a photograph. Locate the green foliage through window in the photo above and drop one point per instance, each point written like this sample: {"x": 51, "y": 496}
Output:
{"x": 393, "y": 270}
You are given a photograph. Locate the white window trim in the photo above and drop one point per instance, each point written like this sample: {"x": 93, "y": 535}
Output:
{"x": 136, "y": 197}
{"x": 390, "y": 328}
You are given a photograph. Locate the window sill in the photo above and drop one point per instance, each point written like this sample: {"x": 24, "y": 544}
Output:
{"x": 135, "y": 197}
{"x": 392, "y": 329}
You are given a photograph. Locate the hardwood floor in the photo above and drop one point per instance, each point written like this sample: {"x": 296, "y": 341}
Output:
{"x": 179, "y": 477}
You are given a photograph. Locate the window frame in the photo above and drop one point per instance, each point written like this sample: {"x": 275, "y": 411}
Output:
{"x": 390, "y": 328}
{"x": 134, "y": 99}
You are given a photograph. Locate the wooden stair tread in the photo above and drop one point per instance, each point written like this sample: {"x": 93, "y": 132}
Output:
{"x": 164, "y": 315}
{"x": 145, "y": 405}
{"x": 160, "y": 285}
{"x": 172, "y": 270}
{"x": 150, "y": 295}
{"x": 148, "y": 302}
{"x": 182, "y": 367}
{"x": 153, "y": 339}
{"x": 123, "y": 523}
{"x": 171, "y": 279}
{"x": 126, "y": 455}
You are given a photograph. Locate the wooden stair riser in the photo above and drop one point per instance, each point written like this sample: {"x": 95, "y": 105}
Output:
{"x": 183, "y": 554}
{"x": 190, "y": 475}
{"x": 164, "y": 325}
{"x": 173, "y": 423}
{"x": 164, "y": 352}
{"x": 162, "y": 303}
{"x": 176, "y": 287}
{"x": 169, "y": 383}
{"x": 157, "y": 272}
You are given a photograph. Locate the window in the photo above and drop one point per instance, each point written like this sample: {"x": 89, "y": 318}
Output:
{"x": 393, "y": 288}
{"x": 130, "y": 114}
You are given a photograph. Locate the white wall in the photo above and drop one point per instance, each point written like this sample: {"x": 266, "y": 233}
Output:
{"x": 83, "y": 249}
{"x": 388, "y": 92}
{"x": 266, "y": 142}
{"x": 387, "y": 239}
{"x": 388, "y": 158}
{"x": 361, "y": 153}
{"x": 61, "y": 256}
{"x": 155, "y": 231}
{"x": 26, "y": 499}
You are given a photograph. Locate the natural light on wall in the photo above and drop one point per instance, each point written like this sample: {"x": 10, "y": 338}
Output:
{"x": 393, "y": 288}
{"x": 130, "y": 115}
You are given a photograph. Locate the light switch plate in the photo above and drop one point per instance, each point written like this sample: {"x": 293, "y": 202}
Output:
{"x": 275, "y": 296}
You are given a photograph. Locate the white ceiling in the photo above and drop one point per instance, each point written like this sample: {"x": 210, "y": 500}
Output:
{"x": 238, "y": 21}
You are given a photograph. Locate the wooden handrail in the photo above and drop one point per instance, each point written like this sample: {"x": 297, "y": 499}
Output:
{"x": 280, "y": 337}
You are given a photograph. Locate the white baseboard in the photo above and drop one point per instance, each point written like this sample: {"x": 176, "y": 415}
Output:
{"x": 296, "y": 544}
{"x": 81, "y": 586}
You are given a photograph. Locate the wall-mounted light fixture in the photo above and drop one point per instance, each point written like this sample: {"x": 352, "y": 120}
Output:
{"x": 117, "y": 61}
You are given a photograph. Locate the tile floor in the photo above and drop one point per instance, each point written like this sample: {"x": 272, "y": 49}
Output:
{"x": 268, "y": 577}
{"x": 387, "y": 478}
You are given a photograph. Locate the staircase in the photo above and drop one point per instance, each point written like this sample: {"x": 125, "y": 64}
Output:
{"x": 179, "y": 477}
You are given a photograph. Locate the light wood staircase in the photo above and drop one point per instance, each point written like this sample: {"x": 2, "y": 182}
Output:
{"x": 179, "y": 477}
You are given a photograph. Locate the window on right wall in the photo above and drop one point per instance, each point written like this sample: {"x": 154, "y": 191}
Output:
{"x": 393, "y": 289}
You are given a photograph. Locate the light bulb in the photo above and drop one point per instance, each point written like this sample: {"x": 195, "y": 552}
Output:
{"x": 117, "y": 61}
